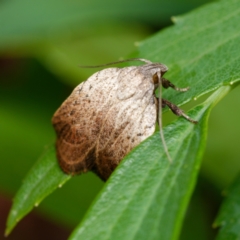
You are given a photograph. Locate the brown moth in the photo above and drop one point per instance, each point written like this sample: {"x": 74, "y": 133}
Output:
{"x": 108, "y": 115}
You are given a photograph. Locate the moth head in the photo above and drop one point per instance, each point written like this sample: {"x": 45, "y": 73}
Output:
{"x": 157, "y": 71}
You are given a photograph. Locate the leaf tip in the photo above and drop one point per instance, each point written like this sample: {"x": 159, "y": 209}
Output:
{"x": 9, "y": 229}
{"x": 7, "y": 232}
{"x": 10, "y": 225}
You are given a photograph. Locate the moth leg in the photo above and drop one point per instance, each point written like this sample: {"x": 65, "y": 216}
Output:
{"x": 166, "y": 84}
{"x": 176, "y": 110}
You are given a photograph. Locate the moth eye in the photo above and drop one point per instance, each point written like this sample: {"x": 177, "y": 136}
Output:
{"x": 155, "y": 79}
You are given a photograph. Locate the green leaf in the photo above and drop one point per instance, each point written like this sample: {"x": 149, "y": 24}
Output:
{"x": 42, "y": 180}
{"x": 229, "y": 216}
{"x": 146, "y": 193}
{"x": 201, "y": 49}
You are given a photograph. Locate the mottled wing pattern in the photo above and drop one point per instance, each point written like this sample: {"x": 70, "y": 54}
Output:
{"x": 103, "y": 119}
{"x": 77, "y": 122}
{"x": 128, "y": 122}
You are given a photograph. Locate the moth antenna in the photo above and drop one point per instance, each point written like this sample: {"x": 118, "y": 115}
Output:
{"x": 120, "y": 61}
{"x": 160, "y": 123}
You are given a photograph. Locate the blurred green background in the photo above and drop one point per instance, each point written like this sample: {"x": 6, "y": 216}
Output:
{"x": 41, "y": 45}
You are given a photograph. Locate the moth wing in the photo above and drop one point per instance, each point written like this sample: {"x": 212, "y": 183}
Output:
{"x": 128, "y": 122}
{"x": 78, "y": 121}
{"x": 103, "y": 119}
{"x": 135, "y": 82}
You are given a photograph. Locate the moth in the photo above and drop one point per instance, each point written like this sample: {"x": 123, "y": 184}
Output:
{"x": 108, "y": 115}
